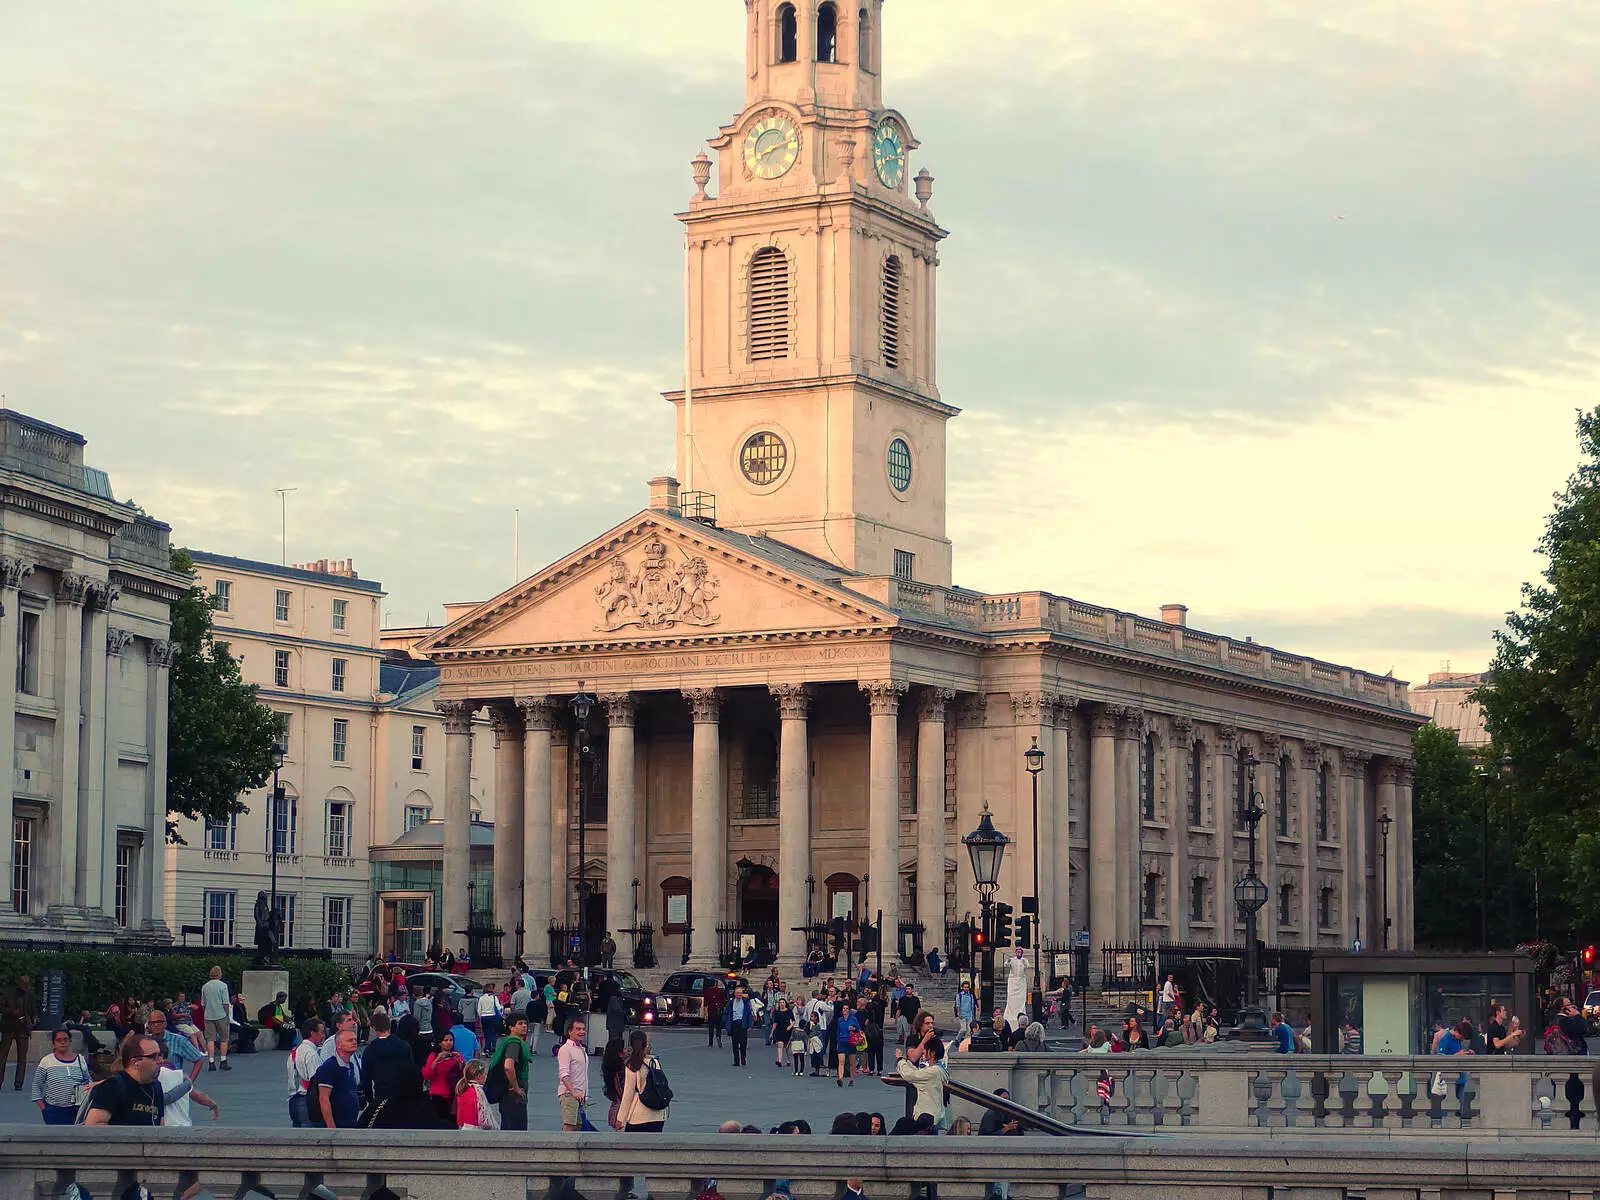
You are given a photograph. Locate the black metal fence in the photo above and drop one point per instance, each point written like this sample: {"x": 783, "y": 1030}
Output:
{"x": 958, "y": 937}
{"x": 483, "y": 944}
{"x": 566, "y": 943}
{"x": 747, "y": 944}
{"x": 1214, "y": 975}
{"x": 111, "y": 946}
{"x": 908, "y": 943}
{"x": 1064, "y": 959}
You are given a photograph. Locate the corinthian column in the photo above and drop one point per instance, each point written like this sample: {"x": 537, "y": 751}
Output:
{"x": 931, "y": 706}
{"x": 71, "y": 592}
{"x": 508, "y": 817}
{"x": 883, "y": 802}
{"x": 1103, "y": 883}
{"x": 1058, "y": 857}
{"x": 537, "y": 718}
{"x": 96, "y": 859}
{"x": 708, "y": 824}
{"x": 1357, "y": 911}
{"x": 457, "y": 820}
{"x": 153, "y": 863}
{"x": 1404, "y": 933}
{"x": 794, "y": 817}
{"x": 621, "y": 817}
{"x": 12, "y": 572}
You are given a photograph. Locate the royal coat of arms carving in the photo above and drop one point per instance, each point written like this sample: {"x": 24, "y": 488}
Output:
{"x": 657, "y": 595}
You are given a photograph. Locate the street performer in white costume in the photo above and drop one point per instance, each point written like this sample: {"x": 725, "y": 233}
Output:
{"x": 1018, "y": 971}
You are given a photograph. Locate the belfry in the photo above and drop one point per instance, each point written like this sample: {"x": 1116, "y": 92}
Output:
{"x": 799, "y": 713}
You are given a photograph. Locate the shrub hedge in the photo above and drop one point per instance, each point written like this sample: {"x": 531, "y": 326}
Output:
{"x": 95, "y": 979}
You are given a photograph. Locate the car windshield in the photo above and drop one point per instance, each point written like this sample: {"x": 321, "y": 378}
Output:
{"x": 1592, "y": 1000}
{"x": 629, "y": 982}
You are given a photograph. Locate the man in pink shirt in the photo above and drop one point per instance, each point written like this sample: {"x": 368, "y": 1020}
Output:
{"x": 572, "y": 1076}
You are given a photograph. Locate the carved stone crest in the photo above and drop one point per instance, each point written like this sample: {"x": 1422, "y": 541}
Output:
{"x": 658, "y": 595}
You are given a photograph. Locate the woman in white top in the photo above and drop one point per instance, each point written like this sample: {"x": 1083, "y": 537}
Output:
{"x": 633, "y": 1114}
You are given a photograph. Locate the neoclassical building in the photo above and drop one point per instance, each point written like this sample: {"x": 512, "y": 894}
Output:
{"x": 799, "y": 712}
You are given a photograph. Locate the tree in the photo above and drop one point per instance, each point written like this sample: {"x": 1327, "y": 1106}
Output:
{"x": 1543, "y": 702}
{"x": 1447, "y": 843}
{"x": 220, "y": 736}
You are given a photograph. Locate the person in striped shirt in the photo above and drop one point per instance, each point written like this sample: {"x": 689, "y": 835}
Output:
{"x": 57, "y": 1079}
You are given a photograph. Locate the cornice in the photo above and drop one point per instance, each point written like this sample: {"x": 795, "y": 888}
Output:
{"x": 711, "y": 393}
{"x": 24, "y": 492}
{"x": 638, "y": 645}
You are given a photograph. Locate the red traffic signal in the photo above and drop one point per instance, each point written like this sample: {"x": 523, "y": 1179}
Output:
{"x": 978, "y": 939}
{"x": 1588, "y": 956}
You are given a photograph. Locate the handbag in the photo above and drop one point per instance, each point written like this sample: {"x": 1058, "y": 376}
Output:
{"x": 1438, "y": 1086}
{"x": 583, "y": 1121}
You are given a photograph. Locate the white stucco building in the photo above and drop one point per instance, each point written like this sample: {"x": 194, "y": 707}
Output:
{"x": 86, "y": 587}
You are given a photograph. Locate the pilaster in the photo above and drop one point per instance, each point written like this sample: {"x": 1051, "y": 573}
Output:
{"x": 12, "y": 572}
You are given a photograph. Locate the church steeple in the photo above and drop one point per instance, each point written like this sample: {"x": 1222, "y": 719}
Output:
{"x": 816, "y": 415}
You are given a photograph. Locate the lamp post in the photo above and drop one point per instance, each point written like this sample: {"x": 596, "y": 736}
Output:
{"x": 986, "y": 846}
{"x": 1250, "y": 894}
{"x": 811, "y": 887}
{"x": 582, "y": 706}
{"x": 1384, "y": 822}
{"x": 1483, "y": 858}
{"x": 1034, "y": 758}
{"x": 277, "y": 847}
{"x": 1505, "y": 764}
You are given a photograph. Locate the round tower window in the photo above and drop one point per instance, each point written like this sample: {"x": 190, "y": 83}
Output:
{"x": 899, "y": 464}
{"x": 763, "y": 458}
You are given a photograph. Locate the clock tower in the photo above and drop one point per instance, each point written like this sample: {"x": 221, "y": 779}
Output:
{"x": 811, "y": 410}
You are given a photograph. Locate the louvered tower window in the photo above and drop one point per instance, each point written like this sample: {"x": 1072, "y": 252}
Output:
{"x": 769, "y": 305}
{"x": 889, "y": 315}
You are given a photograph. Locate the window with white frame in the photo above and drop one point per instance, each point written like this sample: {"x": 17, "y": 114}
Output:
{"x": 284, "y": 817}
{"x": 28, "y": 653}
{"x": 222, "y": 835}
{"x": 24, "y": 831}
{"x": 281, "y": 742}
{"x": 219, "y": 910}
{"x": 221, "y": 595}
{"x": 419, "y": 746}
{"x": 336, "y": 922}
{"x": 280, "y": 668}
{"x": 416, "y": 814}
{"x": 127, "y": 859}
{"x": 341, "y": 739}
{"x": 280, "y": 605}
{"x": 339, "y": 665}
{"x": 338, "y": 829}
{"x": 285, "y": 908}
{"x": 341, "y": 613}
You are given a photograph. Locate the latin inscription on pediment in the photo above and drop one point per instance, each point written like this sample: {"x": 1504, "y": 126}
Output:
{"x": 658, "y": 594}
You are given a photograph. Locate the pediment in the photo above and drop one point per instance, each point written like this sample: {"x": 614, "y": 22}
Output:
{"x": 651, "y": 579}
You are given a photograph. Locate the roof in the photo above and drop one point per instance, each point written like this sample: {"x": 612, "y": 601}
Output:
{"x": 431, "y": 833}
{"x": 404, "y": 679}
{"x": 229, "y": 563}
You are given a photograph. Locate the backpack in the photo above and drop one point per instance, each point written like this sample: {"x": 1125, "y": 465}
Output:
{"x": 657, "y": 1092}
{"x": 1556, "y": 1042}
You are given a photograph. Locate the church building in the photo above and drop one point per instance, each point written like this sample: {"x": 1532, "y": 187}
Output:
{"x": 800, "y": 713}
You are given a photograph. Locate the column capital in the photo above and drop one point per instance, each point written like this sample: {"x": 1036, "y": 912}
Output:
{"x": 1130, "y": 721}
{"x": 1227, "y": 738}
{"x": 794, "y": 700}
{"x": 619, "y": 707}
{"x": 705, "y": 705}
{"x": 506, "y": 722}
{"x": 1310, "y": 755}
{"x": 1183, "y": 731}
{"x": 100, "y": 595}
{"x": 538, "y": 713}
{"x": 117, "y": 640}
{"x": 1387, "y": 772}
{"x": 1405, "y": 772}
{"x": 457, "y": 714}
{"x": 883, "y": 696}
{"x": 971, "y": 709}
{"x": 1271, "y": 745}
{"x": 932, "y": 703}
{"x": 1062, "y": 707}
{"x": 1355, "y": 761}
{"x": 13, "y": 571}
{"x": 1103, "y": 723}
{"x": 1031, "y": 708}
{"x": 162, "y": 652}
{"x": 72, "y": 589}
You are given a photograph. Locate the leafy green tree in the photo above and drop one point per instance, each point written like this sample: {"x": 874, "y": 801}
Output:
{"x": 1543, "y": 704}
{"x": 220, "y": 736}
{"x": 1447, "y": 843}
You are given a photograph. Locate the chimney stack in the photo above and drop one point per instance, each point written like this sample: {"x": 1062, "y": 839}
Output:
{"x": 1176, "y": 614}
{"x": 664, "y": 495}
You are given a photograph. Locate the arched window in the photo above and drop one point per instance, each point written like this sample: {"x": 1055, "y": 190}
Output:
{"x": 864, "y": 41}
{"x": 769, "y": 305}
{"x": 1148, "y": 780}
{"x": 1283, "y": 796}
{"x": 675, "y": 891}
{"x": 842, "y": 888}
{"x": 889, "y": 312}
{"x": 788, "y": 34}
{"x": 827, "y": 33}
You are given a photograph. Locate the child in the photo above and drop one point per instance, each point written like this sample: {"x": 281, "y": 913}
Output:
{"x": 473, "y": 1110}
{"x": 797, "y": 1048}
{"x": 814, "y": 1044}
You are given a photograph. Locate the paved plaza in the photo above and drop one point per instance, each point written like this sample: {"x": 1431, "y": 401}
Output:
{"x": 707, "y": 1090}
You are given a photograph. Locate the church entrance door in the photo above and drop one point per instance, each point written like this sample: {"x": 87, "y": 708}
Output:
{"x": 758, "y": 910}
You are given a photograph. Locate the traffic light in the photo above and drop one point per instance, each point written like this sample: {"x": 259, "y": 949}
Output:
{"x": 1002, "y": 926}
{"x": 980, "y": 941}
{"x": 1025, "y": 931}
{"x": 1588, "y": 956}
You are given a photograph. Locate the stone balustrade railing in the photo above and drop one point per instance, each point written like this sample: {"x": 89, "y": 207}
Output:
{"x": 1502, "y": 1095}
{"x": 516, "y": 1166}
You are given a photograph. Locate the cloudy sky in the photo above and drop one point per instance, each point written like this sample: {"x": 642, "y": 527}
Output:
{"x": 1278, "y": 309}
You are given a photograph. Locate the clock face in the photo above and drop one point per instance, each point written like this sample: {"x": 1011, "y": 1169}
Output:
{"x": 771, "y": 147}
{"x": 889, "y": 155}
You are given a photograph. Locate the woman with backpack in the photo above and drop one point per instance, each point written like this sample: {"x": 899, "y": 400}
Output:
{"x": 645, "y": 1094}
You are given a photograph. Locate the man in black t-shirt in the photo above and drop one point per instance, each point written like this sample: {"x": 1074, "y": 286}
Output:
{"x": 133, "y": 1097}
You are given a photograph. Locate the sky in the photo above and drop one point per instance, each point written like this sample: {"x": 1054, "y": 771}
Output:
{"x": 1279, "y": 310}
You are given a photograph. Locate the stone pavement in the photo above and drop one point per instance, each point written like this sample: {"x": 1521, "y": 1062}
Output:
{"x": 707, "y": 1090}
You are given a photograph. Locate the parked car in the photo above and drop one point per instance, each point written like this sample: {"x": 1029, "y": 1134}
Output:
{"x": 681, "y": 1000}
{"x": 1591, "y": 1009}
{"x": 604, "y": 982}
{"x": 416, "y": 977}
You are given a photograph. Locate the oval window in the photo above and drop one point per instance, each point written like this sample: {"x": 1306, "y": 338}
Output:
{"x": 899, "y": 464}
{"x": 763, "y": 458}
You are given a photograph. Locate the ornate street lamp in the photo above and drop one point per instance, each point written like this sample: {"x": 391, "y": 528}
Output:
{"x": 582, "y": 706}
{"x": 1506, "y": 764}
{"x": 1483, "y": 858}
{"x": 1033, "y": 757}
{"x": 986, "y": 847}
{"x": 278, "y": 848}
{"x": 1384, "y": 821}
{"x": 1250, "y": 894}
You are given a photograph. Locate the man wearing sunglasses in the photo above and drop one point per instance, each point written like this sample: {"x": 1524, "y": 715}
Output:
{"x": 134, "y": 1096}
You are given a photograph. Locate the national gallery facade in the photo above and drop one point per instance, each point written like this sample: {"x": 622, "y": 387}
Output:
{"x": 799, "y": 714}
